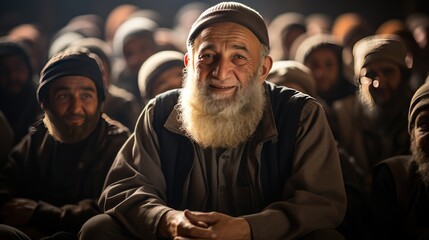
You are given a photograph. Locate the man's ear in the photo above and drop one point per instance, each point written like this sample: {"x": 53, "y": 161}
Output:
{"x": 42, "y": 105}
{"x": 267, "y": 63}
{"x": 186, "y": 59}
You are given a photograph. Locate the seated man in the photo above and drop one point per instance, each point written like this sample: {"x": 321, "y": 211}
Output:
{"x": 54, "y": 177}
{"x": 399, "y": 196}
{"x": 228, "y": 156}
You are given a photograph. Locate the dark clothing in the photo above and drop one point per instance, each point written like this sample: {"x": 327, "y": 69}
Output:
{"x": 65, "y": 179}
{"x": 341, "y": 89}
{"x": 128, "y": 81}
{"x": 176, "y": 148}
{"x": 399, "y": 200}
{"x": 139, "y": 182}
{"x": 106, "y": 227}
{"x": 369, "y": 142}
{"x": 21, "y": 110}
{"x": 122, "y": 106}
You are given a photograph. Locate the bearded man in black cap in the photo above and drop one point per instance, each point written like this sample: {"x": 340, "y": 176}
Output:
{"x": 400, "y": 189}
{"x": 228, "y": 156}
{"x": 53, "y": 179}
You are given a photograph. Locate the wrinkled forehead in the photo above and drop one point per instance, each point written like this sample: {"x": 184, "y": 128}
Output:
{"x": 228, "y": 34}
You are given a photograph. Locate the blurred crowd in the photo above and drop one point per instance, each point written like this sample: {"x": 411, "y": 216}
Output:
{"x": 326, "y": 57}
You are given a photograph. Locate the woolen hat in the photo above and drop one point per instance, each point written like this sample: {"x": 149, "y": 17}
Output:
{"x": 130, "y": 29}
{"x": 73, "y": 61}
{"x": 231, "y": 12}
{"x": 317, "y": 41}
{"x": 419, "y": 101}
{"x": 288, "y": 71}
{"x": 154, "y": 66}
{"x": 378, "y": 47}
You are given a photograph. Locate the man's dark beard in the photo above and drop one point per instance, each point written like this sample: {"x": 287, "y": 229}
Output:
{"x": 422, "y": 160}
{"x": 386, "y": 116}
{"x": 71, "y": 134}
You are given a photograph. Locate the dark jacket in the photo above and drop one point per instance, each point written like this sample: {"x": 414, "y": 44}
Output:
{"x": 399, "y": 200}
{"x": 65, "y": 179}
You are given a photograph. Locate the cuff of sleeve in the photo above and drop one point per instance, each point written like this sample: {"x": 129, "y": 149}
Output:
{"x": 266, "y": 225}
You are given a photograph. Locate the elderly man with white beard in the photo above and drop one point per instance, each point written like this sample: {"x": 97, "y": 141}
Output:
{"x": 399, "y": 194}
{"x": 229, "y": 156}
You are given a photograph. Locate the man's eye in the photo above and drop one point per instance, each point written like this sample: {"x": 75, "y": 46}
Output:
{"x": 423, "y": 125}
{"x": 239, "y": 60}
{"x": 62, "y": 96}
{"x": 86, "y": 96}
{"x": 207, "y": 58}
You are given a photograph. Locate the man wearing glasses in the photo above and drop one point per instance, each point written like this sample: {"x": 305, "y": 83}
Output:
{"x": 373, "y": 124}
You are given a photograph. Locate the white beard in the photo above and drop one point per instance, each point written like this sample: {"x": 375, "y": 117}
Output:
{"x": 212, "y": 121}
{"x": 370, "y": 109}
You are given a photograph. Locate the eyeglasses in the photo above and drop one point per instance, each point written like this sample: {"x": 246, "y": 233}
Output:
{"x": 369, "y": 78}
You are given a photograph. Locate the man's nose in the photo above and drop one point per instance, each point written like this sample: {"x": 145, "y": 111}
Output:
{"x": 75, "y": 105}
{"x": 222, "y": 69}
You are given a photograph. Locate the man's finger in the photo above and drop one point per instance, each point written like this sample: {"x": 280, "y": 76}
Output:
{"x": 206, "y": 218}
{"x": 195, "y": 232}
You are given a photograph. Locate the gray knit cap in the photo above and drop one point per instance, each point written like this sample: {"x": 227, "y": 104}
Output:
{"x": 419, "y": 102}
{"x": 288, "y": 71}
{"x": 231, "y": 12}
{"x": 378, "y": 47}
{"x": 154, "y": 66}
{"x": 315, "y": 42}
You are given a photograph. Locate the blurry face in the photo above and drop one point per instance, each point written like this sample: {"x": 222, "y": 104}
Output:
{"x": 382, "y": 81}
{"x": 136, "y": 51}
{"x": 223, "y": 97}
{"x": 73, "y": 110}
{"x": 420, "y": 144}
{"x": 324, "y": 65}
{"x": 288, "y": 37}
{"x": 172, "y": 78}
{"x": 14, "y": 74}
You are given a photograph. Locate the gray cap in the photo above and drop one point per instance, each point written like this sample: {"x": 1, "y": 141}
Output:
{"x": 231, "y": 12}
{"x": 378, "y": 47}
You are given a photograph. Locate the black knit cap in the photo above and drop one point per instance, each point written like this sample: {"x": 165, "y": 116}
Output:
{"x": 231, "y": 12}
{"x": 73, "y": 61}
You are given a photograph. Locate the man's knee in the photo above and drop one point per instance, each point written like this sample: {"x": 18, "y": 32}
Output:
{"x": 101, "y": 227}
{"x": 11, "y": 233}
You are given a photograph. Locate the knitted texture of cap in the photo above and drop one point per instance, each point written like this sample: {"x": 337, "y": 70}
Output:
{"x": 288, "y": 71}
{"x": 231, "y": 12}
{"x": 74, "y": 61}
{"x": 419, "y": 101}
{"x": 154, "y": 66}
{"x": 378, "y": 47}
{"x": 314, "y": 42}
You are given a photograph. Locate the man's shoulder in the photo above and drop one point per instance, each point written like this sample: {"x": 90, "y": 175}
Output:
{"x": 171, "y": 95}
{"x": 345, "y": 104}
{"x": 114, "y": 127}
{"x": 283, "y": 99}
{"x": 165, "y": 102}
{"x": 399, "y": 166}
{"x": 281, "y": 92}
